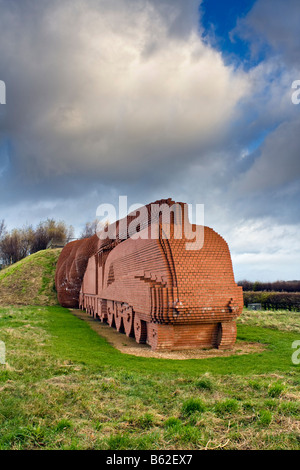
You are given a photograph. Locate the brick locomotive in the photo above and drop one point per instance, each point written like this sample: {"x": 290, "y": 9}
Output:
{"x": 153, "y": 288}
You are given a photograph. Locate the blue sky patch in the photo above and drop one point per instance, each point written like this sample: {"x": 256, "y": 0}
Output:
{"x": 219, "y": 19}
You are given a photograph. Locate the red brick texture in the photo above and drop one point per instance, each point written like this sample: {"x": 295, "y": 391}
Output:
{"x": 155, "y": 289}
{"x": 70, "y": 269}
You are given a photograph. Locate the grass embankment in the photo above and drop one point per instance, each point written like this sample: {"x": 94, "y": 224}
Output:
{"x": 31, "y": 280}
{"x": 65, "y": 387}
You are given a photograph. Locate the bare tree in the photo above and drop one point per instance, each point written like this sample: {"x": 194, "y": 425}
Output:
{"x": 90, "y": 229}
{"x": 20, "y": 243}
{"x": 16, "y": 245}
{"x": 50, "y": 230}
{"x": 277, "y": 286}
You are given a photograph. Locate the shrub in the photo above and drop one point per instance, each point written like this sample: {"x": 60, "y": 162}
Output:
{"x": 274, "y": 300}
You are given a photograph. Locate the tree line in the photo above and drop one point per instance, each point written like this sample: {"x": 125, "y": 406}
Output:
{"x": 277, "y": 286}
{"x": 19, "y": 243}
{"x": 272, "y": 295}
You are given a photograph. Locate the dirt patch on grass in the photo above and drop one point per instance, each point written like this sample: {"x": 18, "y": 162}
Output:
{"x": 129, "y": 346}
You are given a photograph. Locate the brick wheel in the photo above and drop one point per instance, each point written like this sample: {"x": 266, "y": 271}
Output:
{"x": 102, "y": 310}
{"x": 226, "y": 335}
{"x": 101, "y": 314}
{"x": 119, "y": 319}
{"x": 110, "y": 316}
{"x": 128, "y": 321}
{"x": 153, "y": 335}
{"x": 140, "y": 330}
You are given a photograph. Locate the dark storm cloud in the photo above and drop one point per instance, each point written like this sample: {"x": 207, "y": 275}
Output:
{"x": 278, "y": 163}
{"x": 269, "y": 180}
{"x": 107, "y": 92}
{"x": 276, "y": 23}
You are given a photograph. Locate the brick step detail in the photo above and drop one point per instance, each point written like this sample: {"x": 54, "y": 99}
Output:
{"x": 192, "y": 336}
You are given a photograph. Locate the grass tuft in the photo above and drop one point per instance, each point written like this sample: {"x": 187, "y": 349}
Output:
{"x": 193, "y": 405}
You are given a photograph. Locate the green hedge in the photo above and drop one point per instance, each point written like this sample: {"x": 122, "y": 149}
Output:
{"x": 277, "y": 286}
{"x": 274, "y": 300}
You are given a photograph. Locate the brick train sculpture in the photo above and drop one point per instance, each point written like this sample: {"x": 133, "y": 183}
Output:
{"x": 153, "y": 288}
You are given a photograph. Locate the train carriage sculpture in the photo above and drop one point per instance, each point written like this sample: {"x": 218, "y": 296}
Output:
{"x": 153, "y": 288}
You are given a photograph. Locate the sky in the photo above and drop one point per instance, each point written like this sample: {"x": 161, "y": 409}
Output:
{"x": 154, "y": 99}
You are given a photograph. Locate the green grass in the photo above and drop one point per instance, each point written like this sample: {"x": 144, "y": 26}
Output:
{"x": 64, "y": 387}
{"x": 31, "y": 280}
{"x": 94, "y": 350}
{"x": 193, "y": 405}
{"x": 283, "y": 320}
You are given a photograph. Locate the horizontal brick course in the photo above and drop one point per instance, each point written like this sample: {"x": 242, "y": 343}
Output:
{"x": 155, "y": 289}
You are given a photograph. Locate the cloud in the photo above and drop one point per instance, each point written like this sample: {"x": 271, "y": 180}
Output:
{"x": 278, "y": 163}
{"x": 109, "y": 97}
{"x": 275, "y": 23}
{"x": 110, "y": 90}
{"x": 262, "y": 250}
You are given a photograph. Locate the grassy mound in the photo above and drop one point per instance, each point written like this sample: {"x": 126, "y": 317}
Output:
{"x": 31, "y": 280}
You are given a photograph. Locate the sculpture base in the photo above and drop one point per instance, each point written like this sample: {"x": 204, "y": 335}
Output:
{"x": 191, "y": 336}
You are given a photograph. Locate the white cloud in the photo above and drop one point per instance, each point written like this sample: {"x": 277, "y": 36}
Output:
{"x": 265, "y": 250}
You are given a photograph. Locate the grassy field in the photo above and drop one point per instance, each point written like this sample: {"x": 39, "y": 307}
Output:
{"x": 31, "y": 280}
{"x": 64, "y": 387}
